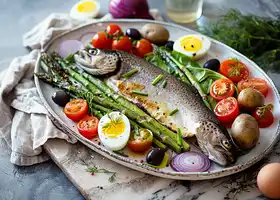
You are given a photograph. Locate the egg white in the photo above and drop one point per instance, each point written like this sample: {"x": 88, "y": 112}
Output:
{"x": 195, "y": 55}
{"x": 75, "y": 14}
{"x": 119, "y": 142}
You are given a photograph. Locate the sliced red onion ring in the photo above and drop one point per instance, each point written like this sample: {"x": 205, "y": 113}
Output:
{"x": 190, "y": 162}
{"x": 87, "y": 38}
{"x": 67, "y": 47}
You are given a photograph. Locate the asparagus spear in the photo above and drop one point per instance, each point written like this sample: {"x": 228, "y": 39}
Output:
{"x": 131, "y": 109}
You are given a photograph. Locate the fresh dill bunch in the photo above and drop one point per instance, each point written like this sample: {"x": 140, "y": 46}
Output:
{"x": 256, "y": 37}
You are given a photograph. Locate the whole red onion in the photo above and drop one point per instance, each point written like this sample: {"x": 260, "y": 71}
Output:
{"x": 130, "y": 9}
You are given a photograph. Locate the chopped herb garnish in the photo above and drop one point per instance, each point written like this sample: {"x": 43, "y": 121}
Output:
{"x": 130, "y": 73}
{"x": 164, "y": 83}
{"x": 157, "y": 79}
{"x": 70, "y": 58}
{"x": 173, "y": 112}
{"x": 179, "y": 138}
{"x": 93, "y": 170}
{"x": 136, "y": 130}
{"x": 139, "y": 93}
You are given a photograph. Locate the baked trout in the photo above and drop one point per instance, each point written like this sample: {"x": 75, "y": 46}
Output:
{"x": 192, "y": 117}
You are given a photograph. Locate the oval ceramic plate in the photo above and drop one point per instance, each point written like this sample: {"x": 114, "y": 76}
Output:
{"x": 268, "y": 136}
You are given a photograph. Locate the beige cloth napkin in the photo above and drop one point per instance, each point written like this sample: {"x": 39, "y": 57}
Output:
{"x": 24, "y": 123}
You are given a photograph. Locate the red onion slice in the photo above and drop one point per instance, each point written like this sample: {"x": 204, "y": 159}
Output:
{"x": 87, "y": 38}
{"x": 190, "y": 162}
{"x": 67, "y": 47}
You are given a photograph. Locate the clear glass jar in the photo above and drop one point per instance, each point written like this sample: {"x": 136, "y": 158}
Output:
{"x": 184, "y": 11}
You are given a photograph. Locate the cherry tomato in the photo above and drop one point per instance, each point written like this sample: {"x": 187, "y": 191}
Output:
{"x": 76, "y": 109}
{"x": 264, "y": 116}
{"x": 88, "y": 127}
{"x": 114, "y": 29}
{"x": 101, "y": 40}
{"x": 227, "y": 110}
{"x": 256, "y": 83}
{"x": 143, "y": 47}
{"x": 140, "y": 141}
{"x": 221, "y": 89}
{"x": 123, "y": 44}
{"x": 234, "y": 70}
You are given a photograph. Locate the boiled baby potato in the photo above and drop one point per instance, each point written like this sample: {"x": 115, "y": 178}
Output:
{"x": 245, "y": 131}
{"x": 249, "y": 99}
{"x": 155, "y": 33}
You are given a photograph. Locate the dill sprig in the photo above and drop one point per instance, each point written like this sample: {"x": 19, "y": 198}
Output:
{"x": 94, "y": 170}
{"x": 256, "y": 37}
{"x": 114, "y": 121}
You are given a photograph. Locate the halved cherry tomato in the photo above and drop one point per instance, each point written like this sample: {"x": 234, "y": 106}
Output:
{"x": 256, "y": 83}
{"x": 76, "y": 109}
{"x": 140, "y": 141}
{"x": 234, "y": 69}
{"x": 264, "y": 116}
{"x": 143, "y": 47}
{"x": 227, "y": 110}
{"x": 123, "y": 43}
{"x": 221, "y": 89}
{"x": 102, "y": 40}
{"x": 114, "y": 29}
{"x": 88, "y": 127}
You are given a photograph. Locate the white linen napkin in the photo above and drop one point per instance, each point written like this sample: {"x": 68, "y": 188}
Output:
{"x": 24, "y": 123}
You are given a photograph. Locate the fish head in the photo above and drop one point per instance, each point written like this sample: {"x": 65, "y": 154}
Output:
{"x": 97, "y": 61}
{"x": 214, "y": 141}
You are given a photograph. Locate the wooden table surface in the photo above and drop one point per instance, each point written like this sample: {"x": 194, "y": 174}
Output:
{"x": 46, "y": 181}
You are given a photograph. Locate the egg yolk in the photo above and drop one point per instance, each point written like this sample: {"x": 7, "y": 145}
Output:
{"x": 87, "y": 6}
{"x": 113, "y": 130}
{"x": 191, "y": 44}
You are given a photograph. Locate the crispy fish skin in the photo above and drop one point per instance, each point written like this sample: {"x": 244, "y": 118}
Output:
{"x": 193, "y": 116}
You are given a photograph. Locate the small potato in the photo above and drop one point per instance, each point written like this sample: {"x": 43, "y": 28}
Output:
{"x": 249, "y": 99}
{"x": 155, "y": 33}
{"x": 245, "y": 131}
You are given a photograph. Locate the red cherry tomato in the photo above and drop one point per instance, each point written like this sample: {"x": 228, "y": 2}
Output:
{"x": 142, "y": 141}
{"x": 234, "y": 70}
{"x": 114, "y": 29}
{"x": 143, "y": 47}
{"x": 221, "y": 89}
{"x": 101, "y": 40}
{"x": 123, "y": 44}
{"x": 227, "y": 110}
{"x": 264, "y": 116}
{"x": 88, "y": 127}
{"x": 76, "y": 109}
{"x": 256, "y": 83}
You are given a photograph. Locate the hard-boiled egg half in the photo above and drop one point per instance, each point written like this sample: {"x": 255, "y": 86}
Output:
{"x": 194, "y": 46}
{"x": 85, "y": 9}
{"x": 114, "y": 130}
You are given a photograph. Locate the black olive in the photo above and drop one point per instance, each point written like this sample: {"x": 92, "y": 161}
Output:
{"x": 60, "y": 98}
{"x": 169, "y": 45}
{"x": 133, "y": 33}
{"x": 155, "y": 156}
{"x": 213, "y": 64}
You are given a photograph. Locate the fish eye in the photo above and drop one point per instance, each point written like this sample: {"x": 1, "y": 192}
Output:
{"x": 226, "y": 144}
{"x": 93, "y": 51}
